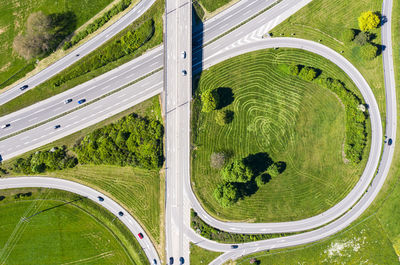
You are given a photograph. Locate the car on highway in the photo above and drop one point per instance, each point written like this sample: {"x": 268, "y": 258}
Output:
{"x": 120, "y": 213}
{"x": 23, "y": 87}
{"x": 183, "y": 55}
{"x": 154, "y": 261}
{"x": 234, "y": 246}
{"x": 390, "y": 141}
{"x": 181, "y": 260}
{"x": 171, "y": 260}
{"x": 67, "y": 101}
{"x": 140, "y": 235}
{"x": 100, "y": 198}
{"x": 5, "y": 125}
{"x": 81, "y": 101}
{"x": 184, "y": 73}
{"x": 57, "y": 126}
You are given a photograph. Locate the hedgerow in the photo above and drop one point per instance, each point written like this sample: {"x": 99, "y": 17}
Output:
{"x": 119, "y": 48}
{"x": 215, "y": 234}
{"x": 356, "y": 116}
{"x": 133, "y": 141}
{"x": 98, "y": 23}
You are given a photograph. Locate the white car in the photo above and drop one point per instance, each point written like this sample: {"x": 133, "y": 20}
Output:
{"x": 67, "y": 101}
{"x": 5, "y": 126}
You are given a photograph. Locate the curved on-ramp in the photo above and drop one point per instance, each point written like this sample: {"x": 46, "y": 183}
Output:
{"x": 374, "y": 154}
{"x": 74, "y": 187}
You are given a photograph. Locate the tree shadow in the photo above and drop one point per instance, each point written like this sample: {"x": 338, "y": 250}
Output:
{"x": 226, "y": 97}
{"x": 246, "y": 189}
{"x": 281, "y": 166}
{"x": 2, "y": 197}
{"x": 380, "y": 47}
{"x": 64, "y": 25}
{"x": 382, "y": 18}
{"x": 258, "y": 162}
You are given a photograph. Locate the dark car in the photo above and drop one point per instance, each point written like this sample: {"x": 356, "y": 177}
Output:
{"x": 57, "y": 126}
{"x": 140, "y": 235}
{"x": 181, "y": 260}
{"x": 23, "y": 87}
{"x": 67, "y": 100}
{"x": 81, "y": 101}
{"x": 100, "y": 198}
{"x": 390, "y": 141}
{"x": 154, "y": 261}
{"x": 234, "y": 246}
{"x": 171, "y": 260}
{"x": 120, "y": 213}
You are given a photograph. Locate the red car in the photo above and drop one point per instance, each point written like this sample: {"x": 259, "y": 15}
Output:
{"x": 140, "y": 235}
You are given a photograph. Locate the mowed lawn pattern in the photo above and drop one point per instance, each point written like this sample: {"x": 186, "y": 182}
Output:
{"x": 140, "y": 192}
{"x": 62, "y": 235}
{"x": 325, "y": 21}
{"x": 293, "y": 121}
{"x": 13, "y": 16}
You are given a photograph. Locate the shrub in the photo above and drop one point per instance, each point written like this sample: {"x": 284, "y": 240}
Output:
{"x": 348, "y": 35}
{"x": 369, "y": 51}
{"x": 210, "y": 100}
{"x": 237, "y": 171}
{"x": 133, "y": 141}
{"x": 224, "y": 117}
{"x": 261, "y": 180}
{"x": 273, "y": 170}
{"x": 41, "y": 161}
{"x": 361, "y": 38}
{"x": 368, "y": 20}
{"x": 308, "y": 73}
{"x": 217, "y": 160}
{"x": 226, "y": 194}
{"x": 294, "y": 69}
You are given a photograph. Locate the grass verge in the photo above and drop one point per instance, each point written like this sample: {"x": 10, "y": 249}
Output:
{"x": 292, "y": 120}
{"x": 53, "y": 226}
{"x": 200, "y": 255}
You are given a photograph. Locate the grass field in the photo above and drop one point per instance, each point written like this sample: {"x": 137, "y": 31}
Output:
{"x": 140, "y": 191}
{"x": 212, "y": 5}
{"x": 380, "y": 223}
{"x": 292, "y": 120}
{"x": 13, "y": 16}
{"x": 325, "y": 20}
{"x": 80, "y": 232}
{"x": 46, "y": 89}
{"x": 200, "y": 255}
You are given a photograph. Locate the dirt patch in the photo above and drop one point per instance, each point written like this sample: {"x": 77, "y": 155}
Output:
{"x": 5, "y": 67}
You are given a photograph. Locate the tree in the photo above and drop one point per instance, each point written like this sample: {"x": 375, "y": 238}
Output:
{"x": 294, "y": 69}
{"x": 348, "y": 35}
{"x": 361, "y": 38}
{"x": 224, "y": 117}
{"x": 226, "y": 194}
{"x": 261, "y": 180}
{"x": 369, "y": 51}
{"x": 217, "y": 160}
{"x": 39, "y": 23}
{"x": 273, "y": 170}
{"x": 368, "y": 20}
{"x": 210, "y": 99}
{"x": 237, "y": 171}
{"x": 308, "y": 73}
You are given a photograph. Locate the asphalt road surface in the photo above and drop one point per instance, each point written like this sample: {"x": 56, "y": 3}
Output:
{"x": 177, "y": 97}
{"x": 92, "y": 194}
{"x": 82, "y": 50}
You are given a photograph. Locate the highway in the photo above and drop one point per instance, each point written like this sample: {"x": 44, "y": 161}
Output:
{"x": 82, "y": 50}
{"x": 112, "y": 80}
{"x": 177, "y": 98}
{"x": 244, "y": 39}
{"x": 108, "y": 203}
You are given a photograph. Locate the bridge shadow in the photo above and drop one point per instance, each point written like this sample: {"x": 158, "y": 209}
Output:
{"x": 197, "y": 49}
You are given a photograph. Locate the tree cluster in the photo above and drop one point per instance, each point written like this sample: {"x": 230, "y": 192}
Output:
{"x": 215, "y": 100}
{"x": 133, "y": 141}
{"x": 41, "y": 161}
{"x": 44, "y": 33}
{"x": 244, "y": 176}
{"x": 210, "y": 99}
{"x": 22, "y": 195}
{"x": 119, "y": 48}
{"x": 98, "y": 23}
{"x": 224, "y": 117}
{"x": 306, "y": 73}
